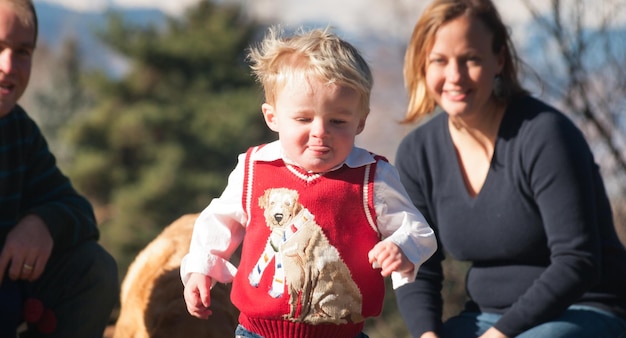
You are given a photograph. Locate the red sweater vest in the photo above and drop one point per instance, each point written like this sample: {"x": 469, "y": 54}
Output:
{"x": 304, "y": 270}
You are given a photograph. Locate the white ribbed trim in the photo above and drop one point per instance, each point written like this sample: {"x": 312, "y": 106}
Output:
{"x": 366, "y": 181}
{"x": 304, "y": 177}
{"x": 248, "y": 192}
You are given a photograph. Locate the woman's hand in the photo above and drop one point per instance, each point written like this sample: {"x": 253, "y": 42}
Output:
{"x": 493, "y": 333}
{"x": 429, "y": 334}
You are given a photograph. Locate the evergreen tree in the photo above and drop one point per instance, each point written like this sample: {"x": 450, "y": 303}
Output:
{"x": 57, "y": 97}
{"x": 162, "y": 139}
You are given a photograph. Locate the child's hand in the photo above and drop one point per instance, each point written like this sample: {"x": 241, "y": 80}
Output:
{"x": 389, "y": 257}
{"x": 198, "y": 295}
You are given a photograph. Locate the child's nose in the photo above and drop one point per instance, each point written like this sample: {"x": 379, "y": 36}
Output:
{"x": 319, "y": 128}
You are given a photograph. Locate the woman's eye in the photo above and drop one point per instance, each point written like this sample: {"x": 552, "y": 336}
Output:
{"x": 437, "y": 61}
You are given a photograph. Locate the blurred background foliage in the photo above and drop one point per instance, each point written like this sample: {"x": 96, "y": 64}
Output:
{"x": 160, "y": 140}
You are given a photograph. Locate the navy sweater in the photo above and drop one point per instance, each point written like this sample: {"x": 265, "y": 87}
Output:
{"x": 31, "y": 183}
{"x": 539, "y": 234}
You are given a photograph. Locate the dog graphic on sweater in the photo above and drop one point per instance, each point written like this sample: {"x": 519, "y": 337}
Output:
{"x": 319, "y": 284}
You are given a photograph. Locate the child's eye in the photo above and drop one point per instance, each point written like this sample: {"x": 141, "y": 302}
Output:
{"x": 303, "y": 119}
{"x": 337, "y": 121}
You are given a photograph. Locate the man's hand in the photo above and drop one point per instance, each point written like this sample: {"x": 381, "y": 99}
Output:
{"x": 27, "y": 249}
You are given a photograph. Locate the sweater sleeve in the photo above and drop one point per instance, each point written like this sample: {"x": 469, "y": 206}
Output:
{"x": 49, "y": 194}
{"x": 218, "y": 232}
{"x": 420, "y": 302}
{"x": 560, "y": 170}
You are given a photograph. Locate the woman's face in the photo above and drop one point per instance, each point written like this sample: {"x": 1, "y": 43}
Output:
{"x": 461, "y": 67}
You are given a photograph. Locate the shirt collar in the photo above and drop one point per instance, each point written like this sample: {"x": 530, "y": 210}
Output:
{"x": 358, "y": 157}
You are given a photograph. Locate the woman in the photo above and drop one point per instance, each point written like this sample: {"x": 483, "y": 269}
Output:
{"x": 509, "y": 184}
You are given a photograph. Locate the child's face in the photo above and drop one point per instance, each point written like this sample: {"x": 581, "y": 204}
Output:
{"x": 316, "y": 123}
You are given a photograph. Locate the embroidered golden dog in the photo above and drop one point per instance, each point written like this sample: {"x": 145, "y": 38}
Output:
{"x": 319, "y": 284}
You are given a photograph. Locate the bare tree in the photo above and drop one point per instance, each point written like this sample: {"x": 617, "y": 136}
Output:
{"x": 585, "y": 47}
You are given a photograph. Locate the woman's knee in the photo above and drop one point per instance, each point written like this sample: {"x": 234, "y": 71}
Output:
{"x": 580, "y": 322}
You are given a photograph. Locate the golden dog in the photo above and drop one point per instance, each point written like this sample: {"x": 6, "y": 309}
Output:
{"x": 316, "y": 276}
{"x": 152, "y": 303}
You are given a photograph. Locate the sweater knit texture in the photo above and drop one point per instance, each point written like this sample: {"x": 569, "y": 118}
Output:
{"x": 31, "y": 183}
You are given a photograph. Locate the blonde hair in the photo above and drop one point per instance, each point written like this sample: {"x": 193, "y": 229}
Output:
{"x": 318, "y": 53}
{"x": 25, "y": 12}
{"x": 438, "y": 13}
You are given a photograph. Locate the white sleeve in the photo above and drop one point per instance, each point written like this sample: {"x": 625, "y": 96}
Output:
{"x": 399, "y": 221}
{"x": 218, "y": 232}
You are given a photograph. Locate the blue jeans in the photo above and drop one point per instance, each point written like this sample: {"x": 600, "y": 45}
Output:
{"x": 577, "y": 321}
{"x": 242, "y": 332}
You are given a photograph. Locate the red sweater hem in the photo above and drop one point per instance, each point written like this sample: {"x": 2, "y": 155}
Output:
{"x": 278, "y": 328}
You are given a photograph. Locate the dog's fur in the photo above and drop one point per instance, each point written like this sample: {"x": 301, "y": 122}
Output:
{"x": 152, "y": 303}
{"x": 314, "y": 271}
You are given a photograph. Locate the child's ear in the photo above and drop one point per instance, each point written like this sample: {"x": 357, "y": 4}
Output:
{"x": 361, "y": 124}
{"x": 269, "y": 113}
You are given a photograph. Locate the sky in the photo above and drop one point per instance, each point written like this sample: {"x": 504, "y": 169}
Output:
{"x": 349, "y": 15}
{"x": 173, "y": 7}
{"x": 348, "y": 12}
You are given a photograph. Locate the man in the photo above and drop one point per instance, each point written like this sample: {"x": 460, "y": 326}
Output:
{"x": 48, "y": 235}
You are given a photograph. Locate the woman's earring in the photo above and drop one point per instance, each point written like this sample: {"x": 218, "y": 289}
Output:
{"x": 500, "y": 90}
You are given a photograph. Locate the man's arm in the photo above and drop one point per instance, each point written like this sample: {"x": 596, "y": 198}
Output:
{"x": 49, "y": 194}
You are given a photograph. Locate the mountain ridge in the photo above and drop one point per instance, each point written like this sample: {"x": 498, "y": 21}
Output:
{"x": 58, "y": 23}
